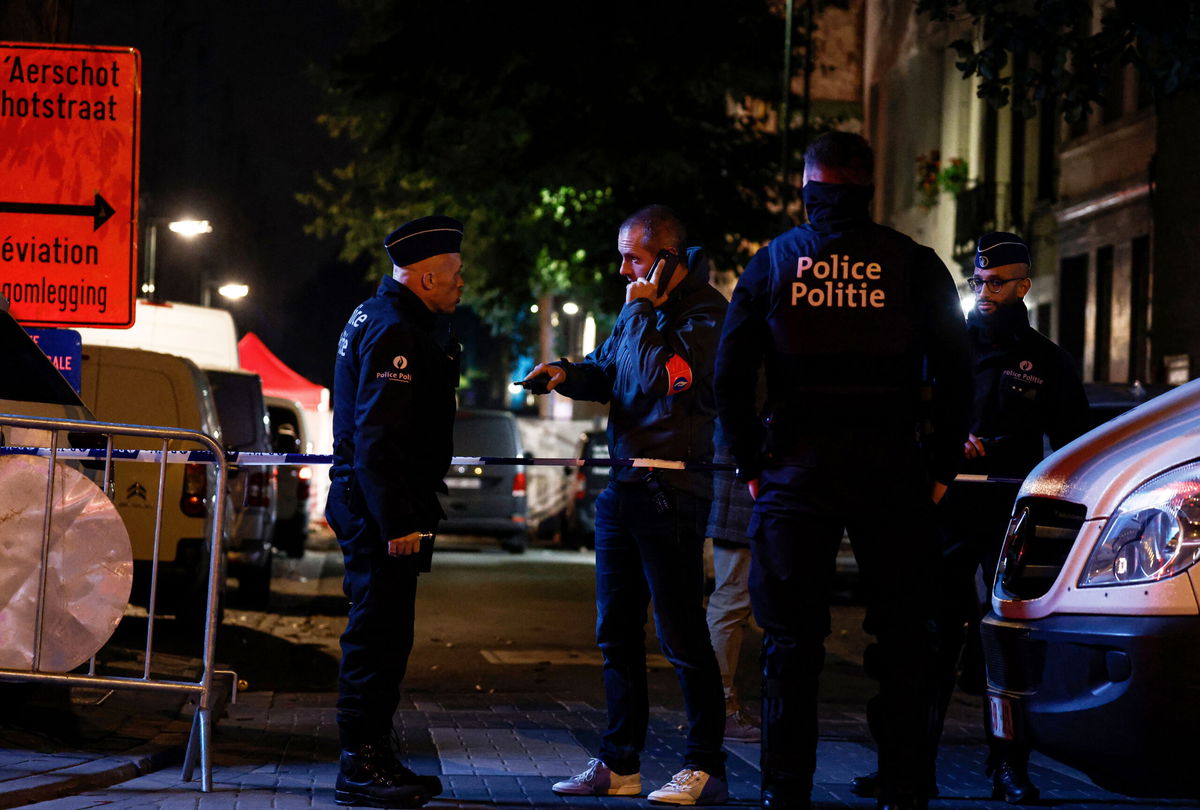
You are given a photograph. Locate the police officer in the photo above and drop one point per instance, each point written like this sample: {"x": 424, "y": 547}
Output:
{"x": 393, "y": 416}
{"x": 656, "y": 369}
{"x": 1027, "y": 391}
{"x": 849, "y": 317}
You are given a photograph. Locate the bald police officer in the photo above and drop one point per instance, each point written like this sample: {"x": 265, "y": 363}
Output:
{"x": 849, "y": 318}
{"x": 393, "y": 416}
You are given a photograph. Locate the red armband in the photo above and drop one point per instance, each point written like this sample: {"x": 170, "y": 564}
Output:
{"x": 679, "y": 373}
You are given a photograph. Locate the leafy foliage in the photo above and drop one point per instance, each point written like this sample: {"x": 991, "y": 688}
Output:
{"x": 1056, "y": 55}
{"x": 542, "y": 124}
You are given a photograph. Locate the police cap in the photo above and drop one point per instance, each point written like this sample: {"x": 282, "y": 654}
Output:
{"x": 1000, "y": 248}
{"x": 422, "y": 238}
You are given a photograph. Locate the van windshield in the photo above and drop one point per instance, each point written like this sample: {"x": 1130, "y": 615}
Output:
{"x": 485, "y": 435}
{"x": 240, "y": 409}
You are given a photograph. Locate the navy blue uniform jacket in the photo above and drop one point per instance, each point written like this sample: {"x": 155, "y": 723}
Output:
{"x": 848, "y": 318}
{"x": 657, "y": 369}
{"x": 1026, "y": 387}
{"x": 393, "y": 411}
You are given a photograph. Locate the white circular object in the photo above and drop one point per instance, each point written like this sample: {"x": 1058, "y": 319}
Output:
{"x": 90, "y": 569}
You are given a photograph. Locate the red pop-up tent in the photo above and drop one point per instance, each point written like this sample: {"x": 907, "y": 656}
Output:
{"x": 278, "y": 379}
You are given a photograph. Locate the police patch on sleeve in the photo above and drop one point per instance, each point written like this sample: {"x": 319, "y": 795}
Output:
{"x": 397, "y": 371}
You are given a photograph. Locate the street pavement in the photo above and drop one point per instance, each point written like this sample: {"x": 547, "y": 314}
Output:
{"x": 532, "y": 716}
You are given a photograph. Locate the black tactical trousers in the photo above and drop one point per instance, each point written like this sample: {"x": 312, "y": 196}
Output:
{"x": 881, "y": 499}
{"x": 379, "y": 635}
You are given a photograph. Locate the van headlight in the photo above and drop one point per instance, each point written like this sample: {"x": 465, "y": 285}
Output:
{"x": 1152, "y": 535}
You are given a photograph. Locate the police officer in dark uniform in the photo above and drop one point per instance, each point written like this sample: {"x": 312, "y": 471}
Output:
{"x": 850, "y": 318}
{"x": 393, "y": 417}
{"x": 1027, "y": 391}
{"x": 656, "y": 370}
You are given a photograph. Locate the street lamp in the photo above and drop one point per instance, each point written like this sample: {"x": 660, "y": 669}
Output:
{"x": 231, "y": 289}
{"x": 187, "y": 228}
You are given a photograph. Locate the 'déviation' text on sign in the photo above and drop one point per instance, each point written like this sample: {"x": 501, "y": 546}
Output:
{"x": 69, "y": 117}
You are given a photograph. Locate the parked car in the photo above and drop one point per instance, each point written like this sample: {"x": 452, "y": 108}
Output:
{"x": 139, "y": 387}
{"x": 1109, "y": 400}
{"x": 1093, "y": 640}
{"x": 487, "y": 499}
{"x": 294, "y": 481}
{"x": 589, "y": 482}
{"x": 242, "y": 412}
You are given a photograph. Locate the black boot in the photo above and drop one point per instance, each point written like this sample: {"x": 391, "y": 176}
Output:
{"x": 389, "y": 745}
{"x": 868, "y": 787}
{"x": 370, "y": 776}
{"x": 1012, "y": 784}
{"x": 784, "y": 796}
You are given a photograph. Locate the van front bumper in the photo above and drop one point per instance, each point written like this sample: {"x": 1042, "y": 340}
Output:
{"x": 1109, "y": 695}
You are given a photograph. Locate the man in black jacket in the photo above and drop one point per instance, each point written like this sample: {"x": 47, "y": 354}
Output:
{"x": 850, "y": 319}
{"x": 656, "y": 369}
{"x": 393, "y": 417}
{"x": 1027, "y": 391}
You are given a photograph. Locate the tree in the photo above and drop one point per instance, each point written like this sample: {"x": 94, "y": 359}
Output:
{"x": 1056, "y": 55}
{"x": 542, "y": 124}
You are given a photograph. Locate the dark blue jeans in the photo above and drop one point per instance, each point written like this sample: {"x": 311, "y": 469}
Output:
{"x": 643, "y": 555}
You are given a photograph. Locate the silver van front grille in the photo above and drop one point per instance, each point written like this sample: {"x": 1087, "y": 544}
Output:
{"x": 1039, "y": 539}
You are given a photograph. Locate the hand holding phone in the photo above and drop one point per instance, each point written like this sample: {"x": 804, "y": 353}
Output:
{"x": 655, "y": 284}
{"x": 535, "y": 385}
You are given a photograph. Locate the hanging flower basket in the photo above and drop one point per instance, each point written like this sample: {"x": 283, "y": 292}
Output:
{"x": 928, "y": 167}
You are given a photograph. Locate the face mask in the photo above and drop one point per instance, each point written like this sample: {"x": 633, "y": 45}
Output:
{"x": 831, "y": 206}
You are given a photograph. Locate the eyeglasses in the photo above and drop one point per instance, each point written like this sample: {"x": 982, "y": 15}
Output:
{"x": 994, "y": 284}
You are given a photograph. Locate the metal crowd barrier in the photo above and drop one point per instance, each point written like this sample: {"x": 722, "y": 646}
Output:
{"x": 204, "y": 689}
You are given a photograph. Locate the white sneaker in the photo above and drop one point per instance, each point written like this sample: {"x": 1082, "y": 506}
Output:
{"x": 692, "y": 787}
{"x": 599, "y": 780}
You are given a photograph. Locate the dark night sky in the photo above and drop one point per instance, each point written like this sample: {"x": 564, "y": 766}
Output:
{"x": 229, "y": 135}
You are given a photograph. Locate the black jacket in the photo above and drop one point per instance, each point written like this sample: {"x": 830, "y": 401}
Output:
{"x": 657, "y": 369}
{"x": 1026, "y": 387}
{"x": 850, "y": 318}
{"x": 393, "y": 410}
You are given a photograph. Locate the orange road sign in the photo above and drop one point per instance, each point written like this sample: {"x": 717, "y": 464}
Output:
{"x": 69, "y": 124}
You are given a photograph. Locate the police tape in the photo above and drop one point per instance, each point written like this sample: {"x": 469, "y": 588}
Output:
{"x": 286, "y": 459}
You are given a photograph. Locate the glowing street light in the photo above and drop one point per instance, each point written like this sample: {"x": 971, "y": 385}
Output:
{"x": 187, "y": 228}
{"x": 234, "y": 290}
{"x": 570, "y": 308}
{"x": 190, "y": 227}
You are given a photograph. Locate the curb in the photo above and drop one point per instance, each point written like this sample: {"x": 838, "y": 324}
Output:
{"x": 166, "y": 748}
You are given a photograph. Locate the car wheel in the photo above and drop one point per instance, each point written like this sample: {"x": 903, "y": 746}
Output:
{"x": 254, "y": 585}
{"x": 291, "y": 535}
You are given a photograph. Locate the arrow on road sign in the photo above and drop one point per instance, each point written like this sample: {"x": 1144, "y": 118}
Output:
{"x": 99, "y": 210}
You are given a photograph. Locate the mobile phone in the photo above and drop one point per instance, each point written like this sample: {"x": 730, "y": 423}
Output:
{"x": 535, "y": 385}
{"x": 662, "y": 270}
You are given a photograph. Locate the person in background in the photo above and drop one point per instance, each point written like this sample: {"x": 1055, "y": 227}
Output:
{"x": 1027, "y": 392}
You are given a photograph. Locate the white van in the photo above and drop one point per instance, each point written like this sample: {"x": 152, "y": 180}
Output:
{"x": 133, "y": 386}
{"x": 1093, "y": 640}
{"x": 205, "y": 335}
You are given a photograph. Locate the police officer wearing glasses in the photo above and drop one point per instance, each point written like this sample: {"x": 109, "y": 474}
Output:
{"x": 1026, "y": 390}
{"x": 847, "y": 315}
{"x": 393, "y": 418}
